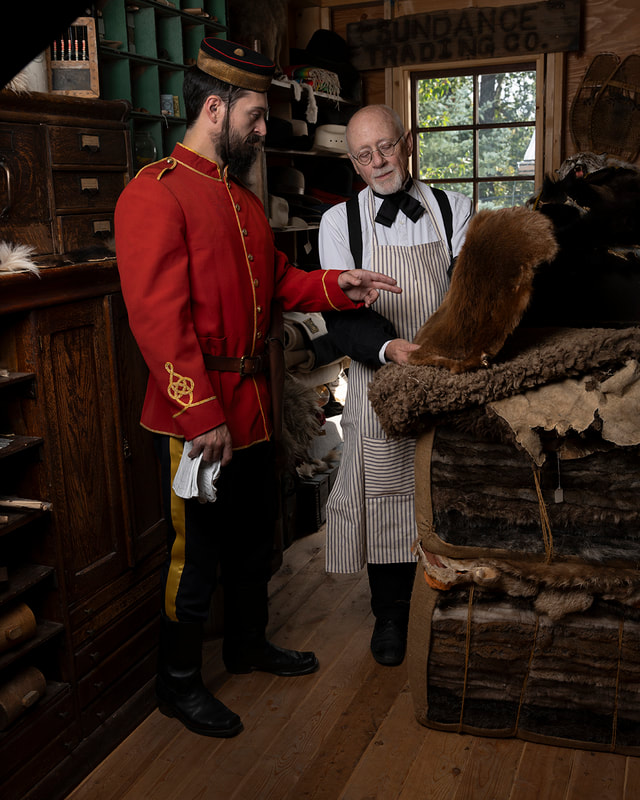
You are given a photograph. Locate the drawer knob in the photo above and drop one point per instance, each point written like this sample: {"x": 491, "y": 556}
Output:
{"x": 102, "y": 229}
{"x": 90, "y": 143}
{"x": 7, "y": 208}
{"x": 89, "y": 186}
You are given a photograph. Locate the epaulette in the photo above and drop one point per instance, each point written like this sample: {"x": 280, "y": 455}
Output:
{"x": 162, "y": 166}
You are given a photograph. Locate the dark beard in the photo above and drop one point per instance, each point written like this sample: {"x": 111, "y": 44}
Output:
{"x": 242, "y": 155}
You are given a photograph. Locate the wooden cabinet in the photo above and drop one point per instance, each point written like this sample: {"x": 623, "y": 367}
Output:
{"x": 69, "y": 409}
{"x": 24, "y": 200}
{"x": 63, "y": 163}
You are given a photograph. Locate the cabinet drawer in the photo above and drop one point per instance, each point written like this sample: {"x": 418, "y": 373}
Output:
{"x": 44, "y": 722}
{"x": 119, "y": 661}
{"x": 87, "y": 146}
{"x": 103, "y": 646}
{"x": 84, "y": 230}
{"x": 80, "y": 191}
{"x": 110, "y": 702}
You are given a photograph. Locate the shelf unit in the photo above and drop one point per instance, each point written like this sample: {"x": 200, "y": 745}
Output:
{"x": 301, "y": 243}
{"x": 144, "y": 48}
{"x": 25, "y": 583}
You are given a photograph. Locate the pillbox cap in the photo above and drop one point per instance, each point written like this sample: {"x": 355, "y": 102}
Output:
{"x": 235, "y": 64}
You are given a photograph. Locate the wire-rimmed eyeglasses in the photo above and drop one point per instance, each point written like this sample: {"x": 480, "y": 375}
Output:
{"x": 386, "y": 149}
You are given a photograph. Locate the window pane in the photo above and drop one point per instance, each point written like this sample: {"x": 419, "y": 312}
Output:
{"x": 445, "y": 154}
{"x": 504, "y": 194}
{"x": 502, "y": 151}
{"x": 443, "y": 102}
{"x": 507, "y": 97}
{"x": 463, "y": 188}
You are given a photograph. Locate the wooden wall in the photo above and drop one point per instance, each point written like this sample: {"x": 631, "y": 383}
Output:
{"x": 608, "y": 26}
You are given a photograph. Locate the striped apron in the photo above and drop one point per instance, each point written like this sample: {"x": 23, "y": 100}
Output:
{"x": 370, "y": 511}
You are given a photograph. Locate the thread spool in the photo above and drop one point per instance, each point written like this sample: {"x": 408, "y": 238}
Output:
{"x": 19, "y": 694}
{"x": 16, "y": 626}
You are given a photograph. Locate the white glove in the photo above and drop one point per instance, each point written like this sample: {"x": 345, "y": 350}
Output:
{"x": 196, "y": 479}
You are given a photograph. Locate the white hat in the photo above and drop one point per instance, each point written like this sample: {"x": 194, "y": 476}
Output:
{"x": 331, "y": 137}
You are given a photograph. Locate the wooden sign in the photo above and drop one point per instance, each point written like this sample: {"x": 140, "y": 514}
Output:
{"x": 461, "y": 34}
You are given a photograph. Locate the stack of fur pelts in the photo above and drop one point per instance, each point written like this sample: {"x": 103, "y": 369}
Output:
{"x": 594, "y": 204}
{"x": 525, "y": 615}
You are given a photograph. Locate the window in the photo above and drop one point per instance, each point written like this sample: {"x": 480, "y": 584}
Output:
{"x": 475, "y": 131}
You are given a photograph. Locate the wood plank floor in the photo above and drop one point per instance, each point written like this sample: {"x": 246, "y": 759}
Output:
{"x": 347, "y": 732}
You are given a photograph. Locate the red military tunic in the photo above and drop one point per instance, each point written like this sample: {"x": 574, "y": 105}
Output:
{"x": 198, "y": 270}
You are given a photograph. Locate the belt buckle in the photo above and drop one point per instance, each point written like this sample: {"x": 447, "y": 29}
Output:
{"x": 242, "y": 360}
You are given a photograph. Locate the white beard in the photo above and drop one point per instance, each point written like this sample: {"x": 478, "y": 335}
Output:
{"x": 390, "y": 185}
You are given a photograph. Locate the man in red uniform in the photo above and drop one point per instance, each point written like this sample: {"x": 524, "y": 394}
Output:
{"x": 199, "y": 272}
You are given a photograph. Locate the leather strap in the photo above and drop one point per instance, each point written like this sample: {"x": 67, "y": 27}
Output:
{"x": 245, "y": 365}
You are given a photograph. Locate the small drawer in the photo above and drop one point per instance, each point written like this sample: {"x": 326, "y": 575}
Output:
{"x": 84, "y": 230}
{"x": 84, "y": 191}
{"x": 117, "y": 663}
{"x": 87, "y": 146}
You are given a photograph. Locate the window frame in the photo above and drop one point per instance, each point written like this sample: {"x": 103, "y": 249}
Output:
{"x": 549, "y": 96}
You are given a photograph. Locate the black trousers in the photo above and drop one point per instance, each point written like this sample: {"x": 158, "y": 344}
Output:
{"x": 391, "y": 586}
{"x": 231, "y": 538}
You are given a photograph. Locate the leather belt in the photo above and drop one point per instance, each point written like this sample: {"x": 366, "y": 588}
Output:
{"x": 245, "y": 365}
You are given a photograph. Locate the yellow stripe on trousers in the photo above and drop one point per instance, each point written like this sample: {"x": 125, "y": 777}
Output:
{"x": 178, "y": 521}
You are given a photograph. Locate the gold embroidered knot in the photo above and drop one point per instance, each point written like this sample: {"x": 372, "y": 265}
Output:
{"x": 179, "y": 386}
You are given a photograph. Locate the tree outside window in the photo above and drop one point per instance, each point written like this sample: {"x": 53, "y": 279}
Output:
{"x": 475, "y": 132}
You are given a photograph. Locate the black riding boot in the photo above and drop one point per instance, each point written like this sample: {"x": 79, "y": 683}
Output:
{"x": 179, "y": 687}
{"x": 245, "y": 647}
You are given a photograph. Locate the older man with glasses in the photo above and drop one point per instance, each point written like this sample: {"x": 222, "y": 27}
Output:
{"x": 412, "y": 232}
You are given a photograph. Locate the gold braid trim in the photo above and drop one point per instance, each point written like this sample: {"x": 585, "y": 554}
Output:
{"x": 233, "y": 75}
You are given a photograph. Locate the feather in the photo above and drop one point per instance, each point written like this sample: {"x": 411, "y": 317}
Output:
{"x": 17, "y": 258}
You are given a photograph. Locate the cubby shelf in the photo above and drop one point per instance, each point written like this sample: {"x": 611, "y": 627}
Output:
{"x": 144, "y": 48}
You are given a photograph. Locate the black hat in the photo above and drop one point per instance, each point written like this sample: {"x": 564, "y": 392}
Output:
{"x": 328, "y": 50}
{"x": 235, "y": 64}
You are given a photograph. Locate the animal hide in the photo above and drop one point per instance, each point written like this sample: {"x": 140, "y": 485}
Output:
{"x": 490, "y": 665}
{"x": 301, "y": 420}
{"x": 594, "y": 205}
{"x": 263, "y": 24}
{"x": 556, "y": 589}
{"x": 477, "y": 497}
{"x": 408, "y": 399}
{"x": 490, "y": 289}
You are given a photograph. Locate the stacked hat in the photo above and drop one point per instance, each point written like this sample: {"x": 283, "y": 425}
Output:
{"x": 235, "y": 64}
{"x": 328, "y": 50}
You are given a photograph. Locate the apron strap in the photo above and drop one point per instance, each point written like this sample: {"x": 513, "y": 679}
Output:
{"x": 355, "y": 230}
{"x": 447, "y": 217}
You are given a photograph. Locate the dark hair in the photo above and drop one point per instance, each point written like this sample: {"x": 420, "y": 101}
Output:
{"x": 199, "y": 85}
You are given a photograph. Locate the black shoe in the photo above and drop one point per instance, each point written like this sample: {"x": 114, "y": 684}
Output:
{"x": 267, "y": 657}
{"x": 389, "y": 642}
{"x": 197, "y": 709}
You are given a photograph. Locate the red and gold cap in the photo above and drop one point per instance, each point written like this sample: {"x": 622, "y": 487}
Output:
{"x": 235, "y": 64}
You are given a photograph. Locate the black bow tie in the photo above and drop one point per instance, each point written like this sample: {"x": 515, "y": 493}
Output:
{"x": 398, "y": 200}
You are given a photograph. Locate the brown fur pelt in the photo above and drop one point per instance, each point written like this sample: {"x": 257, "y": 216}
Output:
{"x": 408, "y": 398}
{"x": 263, "y": 23}
{"x": 557, "y": 589}
{"x": 301, "y": 421}
{"x": 490, "y": 289}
